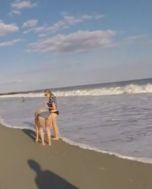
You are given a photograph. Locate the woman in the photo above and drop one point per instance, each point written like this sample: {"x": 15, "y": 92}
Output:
{"x": 53, "y": 113}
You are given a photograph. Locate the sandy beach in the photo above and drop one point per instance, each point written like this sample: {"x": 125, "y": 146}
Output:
{"x": 25, "y": 164}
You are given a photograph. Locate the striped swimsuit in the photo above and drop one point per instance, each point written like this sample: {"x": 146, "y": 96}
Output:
{"x": 50, "y": 104}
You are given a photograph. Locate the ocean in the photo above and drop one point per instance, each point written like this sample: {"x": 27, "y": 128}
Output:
{"x": 114, "y": 118}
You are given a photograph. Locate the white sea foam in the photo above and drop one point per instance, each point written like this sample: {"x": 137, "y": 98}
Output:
{"x": 87, "y": 147}
{"x": 2, "y": 122}
{"x": 117, "y": 90}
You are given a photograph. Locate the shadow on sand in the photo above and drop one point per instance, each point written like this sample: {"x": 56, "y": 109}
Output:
{"x": 29, "y": 133}
{"x": 45, "y": 179}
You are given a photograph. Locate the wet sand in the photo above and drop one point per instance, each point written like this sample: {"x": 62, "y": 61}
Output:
{"x": 25, "y": 164}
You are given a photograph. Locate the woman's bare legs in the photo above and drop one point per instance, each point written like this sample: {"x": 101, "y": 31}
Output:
{"x": 42, "y": 135}
{"x": 54, "y": 125}
{"x": 37, "y": 134}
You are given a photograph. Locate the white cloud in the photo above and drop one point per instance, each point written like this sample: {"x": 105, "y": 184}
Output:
{"x": 80, "y": 41}
{"x": 19, "y": 5}
{"x": 34, "y": 29}
{"x": 64, "y": 23}
{"x": 7, "y": 28}
{"x": 9, "y": 43}
{"x": 17, "y": 12}
{"x": 30, "y": 23}
{"x": 68, "y": 21}
{"x": 23, "y": 4}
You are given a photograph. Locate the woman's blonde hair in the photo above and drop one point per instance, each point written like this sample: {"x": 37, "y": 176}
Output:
{"x": 48, "y": 91}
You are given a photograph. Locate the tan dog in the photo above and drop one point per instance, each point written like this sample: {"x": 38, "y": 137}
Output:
{"x": 41, "y": 127}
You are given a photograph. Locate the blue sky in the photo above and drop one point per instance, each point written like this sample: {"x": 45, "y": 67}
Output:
{"x": 56, "y": 43}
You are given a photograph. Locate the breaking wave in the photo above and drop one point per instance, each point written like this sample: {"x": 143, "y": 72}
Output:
{"x": 99, "y": 91}
{"x": 117, "y": 90}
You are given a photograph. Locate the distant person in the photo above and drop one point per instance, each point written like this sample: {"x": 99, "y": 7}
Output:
{"x": 23, "y": 99}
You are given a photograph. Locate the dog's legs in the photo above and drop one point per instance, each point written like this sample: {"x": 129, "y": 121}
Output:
{"x": 39, "y": 130}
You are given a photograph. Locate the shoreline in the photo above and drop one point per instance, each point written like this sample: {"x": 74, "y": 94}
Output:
{"x": 93, "y": 149}
{"x": 26, "y": 164}
{"x": 117, "y": 155}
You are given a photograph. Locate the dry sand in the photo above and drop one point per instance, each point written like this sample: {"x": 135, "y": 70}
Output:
{"x": 28, "y": 165}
